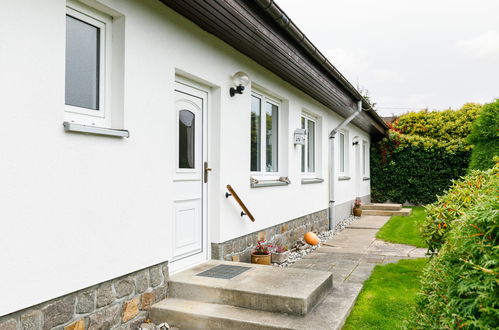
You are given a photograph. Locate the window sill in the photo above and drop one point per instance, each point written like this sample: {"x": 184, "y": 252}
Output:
{"x": 311, "y": 180}
{"x": 72, "y": 127}
{"x": 366, "y": 179}
{"x": 268, "y": 183}
{"x": 344, "y": 178}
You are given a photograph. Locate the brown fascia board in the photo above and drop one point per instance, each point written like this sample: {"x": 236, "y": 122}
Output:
{"x": 254, "y": 31}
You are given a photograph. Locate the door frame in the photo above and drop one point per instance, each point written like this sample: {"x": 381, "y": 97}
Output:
{"x": 192, "y": 88}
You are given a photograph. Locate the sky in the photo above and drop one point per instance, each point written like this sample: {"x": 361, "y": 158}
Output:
{"x": 408, "y": 54}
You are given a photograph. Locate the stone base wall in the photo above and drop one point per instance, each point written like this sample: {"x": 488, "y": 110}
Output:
{"x": 286, "y": 233}
{"x": 122, "y": 304}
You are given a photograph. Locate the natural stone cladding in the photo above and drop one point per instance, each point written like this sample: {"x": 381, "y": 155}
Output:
{"x": 119, "y": 304}
{"x": 284, "y": 234}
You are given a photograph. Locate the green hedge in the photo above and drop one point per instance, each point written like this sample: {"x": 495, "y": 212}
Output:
{"x": 462, "y": 195}
{"x": 485, "y": 136}
{"x": 423, "y": 152}
{"x": 459, "y": 287}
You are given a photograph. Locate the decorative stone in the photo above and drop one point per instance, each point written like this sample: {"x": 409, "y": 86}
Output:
{"x": 58, "y": 312}
{"x": 146, "y": 301}
{"x": 139, "y": 319}
{"x": 124, "y": 287}
{"x": 85, "y": 302}
{"x": 32, "y": 320}
{"x": 105, "y": 295}
{"x": 142, "y": 281}
{"x": 147, "y": 326}
{"x": 160, "y": 293}
{"x": 105, "y": 319}
{"x": 8, "y": 325}
{"x": 78, "y": 325}
{"x": 156, "y": 275}
{"x": 166, "y": 273}
{"x": 130, "y": 309}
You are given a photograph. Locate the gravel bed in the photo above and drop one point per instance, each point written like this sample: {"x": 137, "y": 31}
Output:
{"x": 301, "y": 249}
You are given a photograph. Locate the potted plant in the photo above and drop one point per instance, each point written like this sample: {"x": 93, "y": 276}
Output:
{"x": 357, "y": 208}
{"x": 261, "y": 254}
{"x": 280, "y": 254}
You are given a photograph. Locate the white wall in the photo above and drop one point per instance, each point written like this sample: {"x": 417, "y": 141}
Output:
{"x": 76, "y": 209}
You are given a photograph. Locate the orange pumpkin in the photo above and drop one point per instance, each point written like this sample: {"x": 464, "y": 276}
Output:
{"x": 311, "y": 238}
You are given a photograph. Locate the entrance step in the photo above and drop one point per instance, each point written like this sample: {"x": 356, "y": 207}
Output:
{"x": 265, "y": 288}
{"x": 382, "y": 206}
{"x": 403, "y": 212}
{"x": 190, "y": 314}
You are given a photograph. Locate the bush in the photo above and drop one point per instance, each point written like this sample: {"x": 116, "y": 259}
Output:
{"x": 485, "y": 136}
{"x": 462, "y": 195}
{"x": 459, "y": 287}
{"x": 423, "y": 152}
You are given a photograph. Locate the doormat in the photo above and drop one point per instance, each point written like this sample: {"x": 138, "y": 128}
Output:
{"x": 224, "y": 271}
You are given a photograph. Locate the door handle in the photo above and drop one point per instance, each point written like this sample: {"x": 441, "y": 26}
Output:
{"x": 206, "y": 170}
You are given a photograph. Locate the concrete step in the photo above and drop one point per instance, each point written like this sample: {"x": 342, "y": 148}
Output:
{"x": 382, "y": 206}
{"x": 190, "y": 314}
{"x": 403, "y": 212}
{"x": 265, "y": 288}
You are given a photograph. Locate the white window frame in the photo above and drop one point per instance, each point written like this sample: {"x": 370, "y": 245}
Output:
{"x": 309, "y": 117}
{"x": 346, "y": 153}
{"x": 263, "y": 174}
{"x": 102, "y": 116}
{"x": 365, "y": 159}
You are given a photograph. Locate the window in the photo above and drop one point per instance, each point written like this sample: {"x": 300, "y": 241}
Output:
{"x": 264, "y": 134}
{"x": 343, "y": 152}
{"x": 308, "y": 151}
{"x": 186, "y": 139}
{"x": 365, "y": 158}
{"x": 87, "y": 64}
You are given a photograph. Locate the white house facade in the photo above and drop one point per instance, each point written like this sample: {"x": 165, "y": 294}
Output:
{"x": 120, "y": 136}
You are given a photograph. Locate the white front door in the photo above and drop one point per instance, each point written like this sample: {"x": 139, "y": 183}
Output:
{"x": 189, "y": 219}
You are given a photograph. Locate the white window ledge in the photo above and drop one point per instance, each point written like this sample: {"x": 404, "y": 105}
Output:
{"x": 72, "y": 127}
{"x": 366, "y": 178}
{"x": 343, "y": 178}
{"x": 311, "y": 180}
{"x": 268, "y": 183}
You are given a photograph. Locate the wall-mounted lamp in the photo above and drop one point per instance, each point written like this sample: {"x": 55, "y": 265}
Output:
{"x": 355, "y": 143}
{"x": 241, "y": 80}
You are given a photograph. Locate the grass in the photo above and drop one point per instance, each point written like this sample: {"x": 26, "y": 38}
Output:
{"x": 388, "y": 296}
{"x": 404, "y": 229}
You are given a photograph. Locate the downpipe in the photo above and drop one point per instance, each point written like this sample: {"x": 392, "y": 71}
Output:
{"x": 332, "y": 135}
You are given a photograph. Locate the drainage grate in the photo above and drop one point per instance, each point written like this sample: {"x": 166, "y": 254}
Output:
{"x": 224, "y": 271}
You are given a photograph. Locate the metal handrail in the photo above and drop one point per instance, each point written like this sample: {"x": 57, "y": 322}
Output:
{"x": 245, "y": 210}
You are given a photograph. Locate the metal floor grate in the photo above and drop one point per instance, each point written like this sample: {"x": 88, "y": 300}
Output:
{"x": 224, "y": 271}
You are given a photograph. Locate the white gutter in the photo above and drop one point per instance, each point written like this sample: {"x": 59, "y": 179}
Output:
{"x": 331, "y": 162}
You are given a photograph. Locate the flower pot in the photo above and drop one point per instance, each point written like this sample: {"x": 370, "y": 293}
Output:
{"x": 280, "y": 257}
{"x": 357, "y": 211}
{"x": 262, "y": 259}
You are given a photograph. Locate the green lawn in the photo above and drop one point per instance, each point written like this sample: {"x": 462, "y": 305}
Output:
{"x": 388, "y": 296}
{"x": 404, "y": 230}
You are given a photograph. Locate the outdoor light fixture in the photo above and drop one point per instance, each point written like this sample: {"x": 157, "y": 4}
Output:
{"x": 241, "y": 80}
{"x": 355, "y": 143}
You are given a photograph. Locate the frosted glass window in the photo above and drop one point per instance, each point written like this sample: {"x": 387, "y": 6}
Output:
{"x": 264, "y": 134}
{"x": 255, "y": 134}
{"x": 342, "y": 152}
{"x": 308, "y": 149}
{"x": 311, "y": 146}
{"x": 82, "y": 64}
{"x": 365, "y": 163}
{"x": 186, "y": 139}
{"x": 271, "y": 135}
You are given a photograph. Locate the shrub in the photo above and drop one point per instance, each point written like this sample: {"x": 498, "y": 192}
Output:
{"x": 485, "y": 136}
{"x": 423, "y": 152}
{"x": 462, "y": 195}
{"x": 459, "y": 287}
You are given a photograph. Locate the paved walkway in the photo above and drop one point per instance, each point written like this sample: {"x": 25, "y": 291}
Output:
{"x": 351, "y": 256}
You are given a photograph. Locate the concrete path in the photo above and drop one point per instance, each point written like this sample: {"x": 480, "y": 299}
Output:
{"x": 351, "y": 256}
